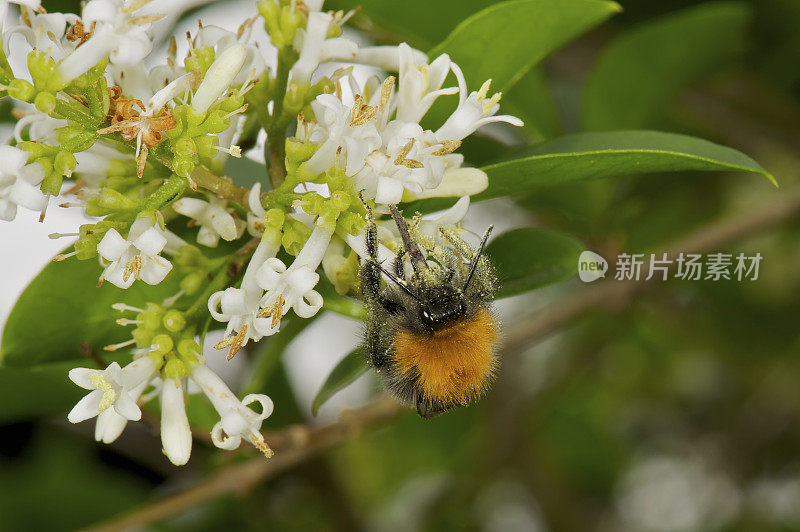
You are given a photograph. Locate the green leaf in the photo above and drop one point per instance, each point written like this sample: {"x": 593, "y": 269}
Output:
{"x": 37, "y": 391}
{"x": 345, "y": 373}
{"x": 530, "y": 99}
{"x": 406, "y": 24}
{"x": 638, "y": 75}
{"x": 530, "y": 258}
{"x": 63, "y": 308}
{"x": 504, "y": 41}
{"x": 586, "y": 156}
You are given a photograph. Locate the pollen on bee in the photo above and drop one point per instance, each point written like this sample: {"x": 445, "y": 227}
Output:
{"x": 454, "y": 365}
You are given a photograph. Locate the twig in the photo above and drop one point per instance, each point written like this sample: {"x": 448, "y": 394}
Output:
{"x": 295, "y": 444}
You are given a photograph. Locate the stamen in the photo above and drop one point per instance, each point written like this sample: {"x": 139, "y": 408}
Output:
{"x": 403, "y": 152}
{"x": 134, "y": 6}
{"x": 54, "y": 236}
{"x": 60, "y": 257}
{"x": 109, "y": 394}
{"x": 275, "y": 310}
{"x": 124, "y": 322}
{"x": 114, "y": 347}
{"x": 68, "y": 204}
{"x": 122, "y": 307}
{"x": 234, "y": 150}
{"x": 448, "y": 146}
{"x": 258, "y": 442}
{"x": 144, "y": 19}
{"x": 171, "y": 300}
{"x": 386, "y": 91}
{"x": 234, "y": 342}
{"x": 44, "y": 210}
{"x": 241, "y": 109}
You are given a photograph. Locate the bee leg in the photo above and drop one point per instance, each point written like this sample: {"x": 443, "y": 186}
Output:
{"x": 429, "y": 409}
{"x": 399, "y": 265}
{"x": 371, "y": 289}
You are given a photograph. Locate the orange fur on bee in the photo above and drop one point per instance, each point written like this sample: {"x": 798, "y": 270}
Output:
{"x": 454, "y": 365}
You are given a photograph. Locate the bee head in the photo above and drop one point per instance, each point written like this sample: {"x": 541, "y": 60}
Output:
{"x": 441, "y": 307}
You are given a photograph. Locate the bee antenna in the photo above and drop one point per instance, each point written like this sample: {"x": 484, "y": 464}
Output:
{"x": 474, "y": 264}
{"x": 396, "y": 281}
{"x": 417, "y": 260}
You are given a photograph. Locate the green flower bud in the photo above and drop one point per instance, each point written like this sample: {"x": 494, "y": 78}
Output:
{"x": 174, "y": 321}
{"x": 65, "y": 163}
{"x": 110, "y": 201}
{"x": 75, "y": 139}
{"x": 21, "y": 90}
{"x": 192, "y": 283}
{"x": 188, "y": 348}
{"x": 185, "y": 147}
{"x": 200, "y": 59}
{"x": 183, "y": 166}
{"x": 163, "y": 344}
{"x": 206, "y": 146}
{"x": 45, "y": 102}
{"x": 42, "y": 68}
{"x": 51, "y": 184}
{"x": 174, "y": 369}
{"x": 295, "y": 234}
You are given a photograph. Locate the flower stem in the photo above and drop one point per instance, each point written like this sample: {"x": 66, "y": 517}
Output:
{"x": 222, "y": 187}
{"x": 276, "y": 133}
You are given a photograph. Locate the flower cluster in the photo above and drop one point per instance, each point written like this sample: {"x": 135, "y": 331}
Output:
{"x": 144, "y": 151}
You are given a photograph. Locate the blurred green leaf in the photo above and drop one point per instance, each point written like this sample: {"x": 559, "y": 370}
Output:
{"x": 504, "y": 41}
{"x": 530, "y": 99}
{"x": 63, "y": 308}
{"x": 5, "y": 110}
{"x": 638, "y": 74}
{"x": 37, "y": 391}
{"x": 351, "y": 367}
{"x": 406, "y": 24}
{"x": 586, "y": 156}
{"x": 530, "y": 258}
{"x": 60, "y": 484}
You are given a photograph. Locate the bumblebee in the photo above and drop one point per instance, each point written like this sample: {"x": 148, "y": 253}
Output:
{"x": 430, "y": 332}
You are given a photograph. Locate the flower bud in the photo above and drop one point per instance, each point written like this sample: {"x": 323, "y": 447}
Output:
{"x": 218, "y": 78}
{"x": 21, "y": 90}
{"x": 42, "y": 68}
{"x": 183, "y": 166}
{"x": 162, "y": 344}
{"x": 188, "y": 348}
{"x": 109, "y": 201}
{"x": 75, "y": 139}
{"x": 65, "y": 163}
{"x": 174, "y": 321}
{"x": 45, "y": 102}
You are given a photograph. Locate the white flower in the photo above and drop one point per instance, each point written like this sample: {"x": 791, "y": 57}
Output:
{"x": 293, "y": 287}
{"x": 41, "y": 128}
{"x": 240, "y": 308}
{"x": 176, "y": 435}
{"x": 237, "y": 420}
{"x": 387, "y": 57}
{"x": 117, "y": 34}
{"x": 19, "y": 183}
{"x": 420, "y": 84}
{"x": 473, "y": 111}
{"x": 136, "y": 257}
{"x": 111, "y": 387}
{"x": 316, "y": 48}
{"x": 110, "y": 424}
{"x": 342, "y": 129}
{"x": 222, "y": 72}
{"x": 221, "y": 40}
{"x": 410, "y": 160}
{"x": 46, "y": 30}
{"x": 214, "y": 219}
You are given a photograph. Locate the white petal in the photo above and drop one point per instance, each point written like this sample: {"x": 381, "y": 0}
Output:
{"x": 267, "y": 406}
{"x": 127, "y": 407}
{"x": 109, "y": 426}
{"x": 82, "y": 377}
{"x": 308, "y": 305}
{"x": 154, "y": 269}
{"x": 191, "y": 207}
{"x": 151, "y": 242}
{"x": 222, "y": 440}
{"x": 112, "y": 246}
{"x": 88, "y": 407}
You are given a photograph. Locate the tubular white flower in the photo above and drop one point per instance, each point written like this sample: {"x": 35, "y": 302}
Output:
{"x": 218, "y": 79}
{"x": 293, "y": 287}
{"x": 176, "y": 435}
{"x": 110, "y": 424}
{"x": 316, "y": 48}
{"x": 221, "y": 40}
{"x": 111, "y": 387}
{"x": 338, "y": 131}
{"x": 136, "y": 257}
{"x": 214, "y": 219}
{"x": 237, "y": 420}
{"x": 240, "y": 307}
{"x": 117, "y": 34}
{"x": 19, "y": 183}
{"x": 473, "y": 111}
{"x": 41, "y": 128}
{"x": 457, "y": 182}
{"x": 387, "y": 57}
{"x": 420, "y": 83}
